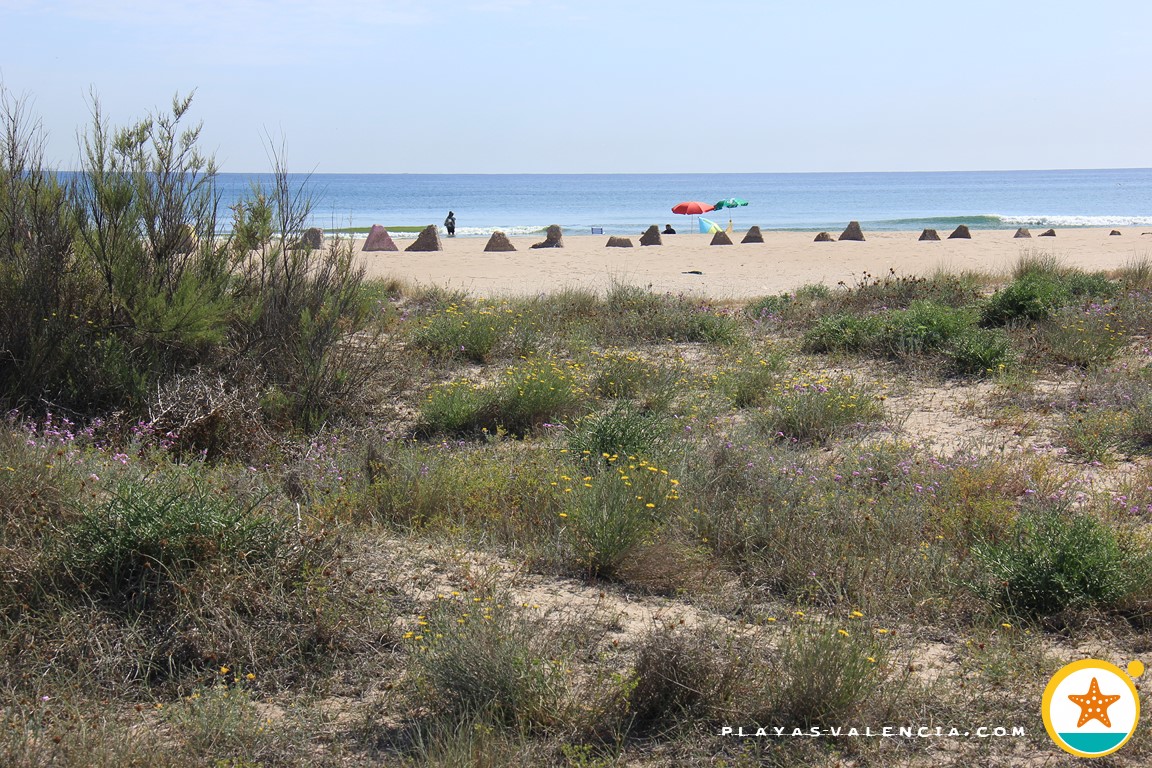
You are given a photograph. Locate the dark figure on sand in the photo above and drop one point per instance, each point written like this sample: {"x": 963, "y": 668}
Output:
{"x": 668, "y": 230}
{"x": 450, "y": 224}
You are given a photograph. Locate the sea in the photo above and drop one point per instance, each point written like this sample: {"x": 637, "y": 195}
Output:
{"x": 524, "y": 204}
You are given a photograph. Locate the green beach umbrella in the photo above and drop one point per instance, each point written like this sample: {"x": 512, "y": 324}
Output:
{"x": 732, "y": 202}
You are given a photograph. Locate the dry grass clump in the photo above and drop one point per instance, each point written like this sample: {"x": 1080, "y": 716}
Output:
{"x": 685, "y": 678}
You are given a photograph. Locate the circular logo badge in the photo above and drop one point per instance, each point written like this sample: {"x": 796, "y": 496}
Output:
{"x": 1091, "y": 707}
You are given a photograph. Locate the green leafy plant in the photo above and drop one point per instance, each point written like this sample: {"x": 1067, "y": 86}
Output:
{"x": 150, "y": 531}
{"x": 1055, "y": 562}
{"x": 622, "y": 429}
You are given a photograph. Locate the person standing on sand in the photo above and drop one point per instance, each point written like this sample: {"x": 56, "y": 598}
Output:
{"x": 450, "y": 224}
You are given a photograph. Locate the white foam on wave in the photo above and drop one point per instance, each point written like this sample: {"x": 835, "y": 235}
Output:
{"x": 487, "y": 231}
{"x": 1077, "y": 221}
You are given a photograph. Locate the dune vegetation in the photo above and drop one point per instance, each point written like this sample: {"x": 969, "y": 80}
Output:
{"x": 258, "y": 510}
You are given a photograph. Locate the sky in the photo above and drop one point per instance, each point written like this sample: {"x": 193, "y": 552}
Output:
{"x": 552, "y": 86}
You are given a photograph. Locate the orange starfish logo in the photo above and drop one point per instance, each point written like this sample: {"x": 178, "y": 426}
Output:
{"x": 1093, "y": 705}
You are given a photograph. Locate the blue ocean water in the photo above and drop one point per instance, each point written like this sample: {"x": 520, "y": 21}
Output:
{"x": 521, "y": 204}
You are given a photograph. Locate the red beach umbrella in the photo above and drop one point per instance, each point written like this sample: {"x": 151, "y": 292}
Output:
{"x": 692, "y": 207}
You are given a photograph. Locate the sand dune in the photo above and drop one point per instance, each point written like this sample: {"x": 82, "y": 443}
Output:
{"x": 783, "y": 262}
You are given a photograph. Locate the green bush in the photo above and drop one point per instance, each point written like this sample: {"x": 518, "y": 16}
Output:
{"x": 683, "y": 677}
{"x": 1056, "y": 562}
{"x": 525, "y": 397}
{"x": 768, "y": 306}
{"x": 623, "y": 429}
{"x": 455, "y": 408}
{"x": 1084, "y": 337}
{"x": 1031, "y": 297}
{"x": 151, "y": 530}
{"x": 610, "y": 512}
{"x": 748, "y": 378}
{"x": 118, "y": 284}
{"x": 923, "y": 328}
{"x": 622, "y": 375}
{"x": 979, "y": 352}
{"x": 1094, "y": 435}
{"x": 842, "y": 333}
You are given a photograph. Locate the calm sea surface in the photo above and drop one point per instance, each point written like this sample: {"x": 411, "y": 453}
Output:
{"x": 628, "y": 203}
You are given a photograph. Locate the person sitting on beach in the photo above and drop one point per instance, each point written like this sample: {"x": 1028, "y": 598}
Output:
{"x": 450, "y": 224}
{"x": 668, "y": 230}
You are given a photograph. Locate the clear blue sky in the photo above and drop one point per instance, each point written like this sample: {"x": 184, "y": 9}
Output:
{"x": 553, "y": 86}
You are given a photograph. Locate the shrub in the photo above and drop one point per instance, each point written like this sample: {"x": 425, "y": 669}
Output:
{"x": 826, "y": 673}
{"x": 525, "y": 397}
{"x": 1030, "y": 297}
{"x": 1055, "y": 562}
{"x": 487, "y": 657}
{"x": 150, "y": 531}
{"x": 637, "y": 315}
{"x": 303, "y": 315}
{"x": 1093, "y": 435}
{"x": 748, "y": 378}
{"x": 43, "y": 288}
{"x": 146, "y": 225}
{"x": 457, "y": 407}
{"x": 610, "y": 512}
{"x": 842, "y": 333}
{"x": 221, "y": 722}
{"x": 1136, "y": 274}
{"x": 623, "y": 429}
{"x": 536, "y": 391}
{"x": 979, "y": 352}
{"x": 682, "y": 677}
{"x": 768, "y": 306}
{"x": 475, "y": 332}
{"x": 622, "y": 375}
{"x": 462, "y": 487}
{"x": 1084, "y": 337}
{"x": 812, "y": 408}
{"x": 923, "y": 328}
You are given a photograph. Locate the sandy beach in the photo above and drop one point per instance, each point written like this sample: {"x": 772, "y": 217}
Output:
{"x": 783, "y": 262}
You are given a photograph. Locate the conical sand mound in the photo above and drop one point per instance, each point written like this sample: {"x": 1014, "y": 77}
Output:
{"x": 852, "y": 232}
{"x": 499, "y": 242}
{"x": 753, "y": 235}
{"x": 427, "y": 240}
{"x": 379, "y": 240}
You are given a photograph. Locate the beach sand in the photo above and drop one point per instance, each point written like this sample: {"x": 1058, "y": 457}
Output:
{"x": 785, "y": 261}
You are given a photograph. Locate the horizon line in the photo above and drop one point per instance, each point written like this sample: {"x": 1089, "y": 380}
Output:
{"x": 691, "y": 173}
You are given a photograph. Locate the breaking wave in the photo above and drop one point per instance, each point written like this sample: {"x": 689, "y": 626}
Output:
{"x": 999, "y": 221}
